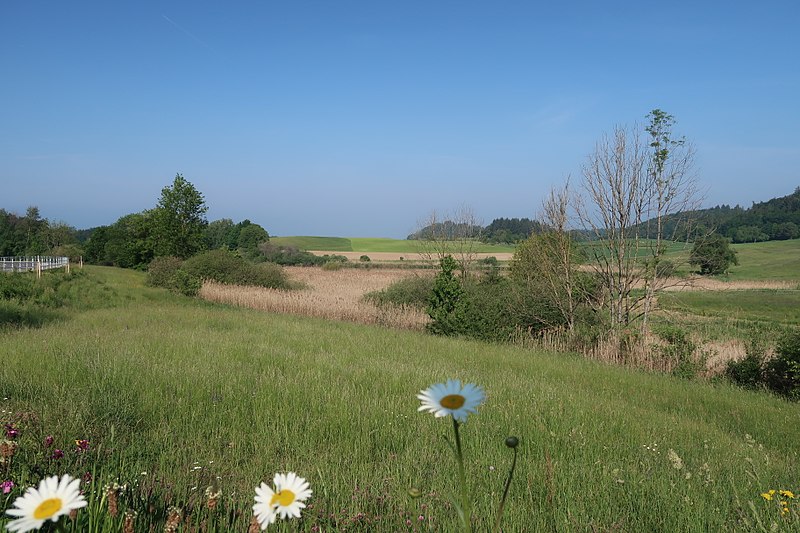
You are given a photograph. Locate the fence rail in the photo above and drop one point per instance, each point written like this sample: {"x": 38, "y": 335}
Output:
{"x": 35, "y": 263}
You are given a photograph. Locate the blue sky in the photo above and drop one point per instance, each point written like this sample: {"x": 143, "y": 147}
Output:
{"x": 358, "y": 118}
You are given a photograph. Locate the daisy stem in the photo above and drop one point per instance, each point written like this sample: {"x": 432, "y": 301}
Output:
{"x": 466, "y": 517}
{"x": 505, "y": 493}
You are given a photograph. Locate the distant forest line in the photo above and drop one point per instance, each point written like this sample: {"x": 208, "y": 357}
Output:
{"x": 777, "y": 219}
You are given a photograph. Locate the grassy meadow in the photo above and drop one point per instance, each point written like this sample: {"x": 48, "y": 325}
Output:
{"x": 176, "y": 395}
{"x": 773, "y": 260}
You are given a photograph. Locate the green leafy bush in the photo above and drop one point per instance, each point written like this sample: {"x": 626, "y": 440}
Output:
{"x": 749, "y": 372}
{"x": 679, "y": 350}
{"x": 227, "y": 267}
{"x": 19, "y": 286}
{"x": 413, "y": 291}
{"x": 364, "y": 259}
{"x": 665, "y": 268}
{"x": 162, "y": 270}
{"x": 184, "y": 283}
{"x": 782, "y": 372}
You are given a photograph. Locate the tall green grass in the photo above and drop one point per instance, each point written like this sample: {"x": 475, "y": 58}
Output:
{"x": 194, "y": 394}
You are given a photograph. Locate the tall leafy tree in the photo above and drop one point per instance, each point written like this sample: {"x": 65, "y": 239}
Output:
{"x": 713, "y": 255}
{"x": 179, "y": 220}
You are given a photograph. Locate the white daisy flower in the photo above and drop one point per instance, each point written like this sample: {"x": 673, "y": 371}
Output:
{"x": 451, "y": 398}
{"x": 53, "y": 499}
{"x": 286, "y": 500}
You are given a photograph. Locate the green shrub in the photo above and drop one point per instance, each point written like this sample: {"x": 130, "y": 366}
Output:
{"x": 184, "y": 283}
{"x": 665, "y": 269}
{"x": 413, "y": 291}
{"x": 679, "y": 350}
{"x": 161, "y": 271}
{"x": 223, "y": 266}
{"x": 749, "y": 372}
{"x": 782, "y": 372}
{"x": 19, "y": 286}
{"x": 364, "y": 259}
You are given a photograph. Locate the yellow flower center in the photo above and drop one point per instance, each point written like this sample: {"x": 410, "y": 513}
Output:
{"x": 452, "y": 401}
{"x": 47, "y": 508}
{"x": 283, "y": 498}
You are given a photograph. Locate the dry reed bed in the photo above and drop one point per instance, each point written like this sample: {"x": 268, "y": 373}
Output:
{"x": 329, "y": 294}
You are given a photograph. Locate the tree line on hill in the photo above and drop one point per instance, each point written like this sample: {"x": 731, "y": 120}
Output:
{"x": 777, "y": 219}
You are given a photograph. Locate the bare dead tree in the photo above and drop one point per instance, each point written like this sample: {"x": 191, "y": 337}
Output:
{"x": 616, "y": 195}
{"x": 556, "y": 254}
{"x": 629, "y": 188}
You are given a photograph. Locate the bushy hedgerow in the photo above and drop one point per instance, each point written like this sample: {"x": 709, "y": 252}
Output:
{"x": 227, "y": 267}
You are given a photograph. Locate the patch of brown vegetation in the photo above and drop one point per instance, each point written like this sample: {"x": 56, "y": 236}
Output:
{"x": 330, "y": 294}
{"x": 710, "y": 284}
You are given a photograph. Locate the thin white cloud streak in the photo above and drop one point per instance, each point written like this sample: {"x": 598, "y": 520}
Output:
{"x": 190, "y": 34}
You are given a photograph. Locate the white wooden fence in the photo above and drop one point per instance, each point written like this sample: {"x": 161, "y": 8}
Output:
{"x": 35, "y": 263}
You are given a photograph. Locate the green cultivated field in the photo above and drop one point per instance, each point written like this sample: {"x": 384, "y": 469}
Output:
{"x": 331, "y": 244}
{"x": 774, "y": 260}
{"x": 176, "y": 395}
{"x": 367, "y": 244}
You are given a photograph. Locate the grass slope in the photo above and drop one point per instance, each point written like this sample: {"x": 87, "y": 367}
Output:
{"x": 165, "y": 385}
{"x": 777, "y": 260}
{"x": 774, "y": 306}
